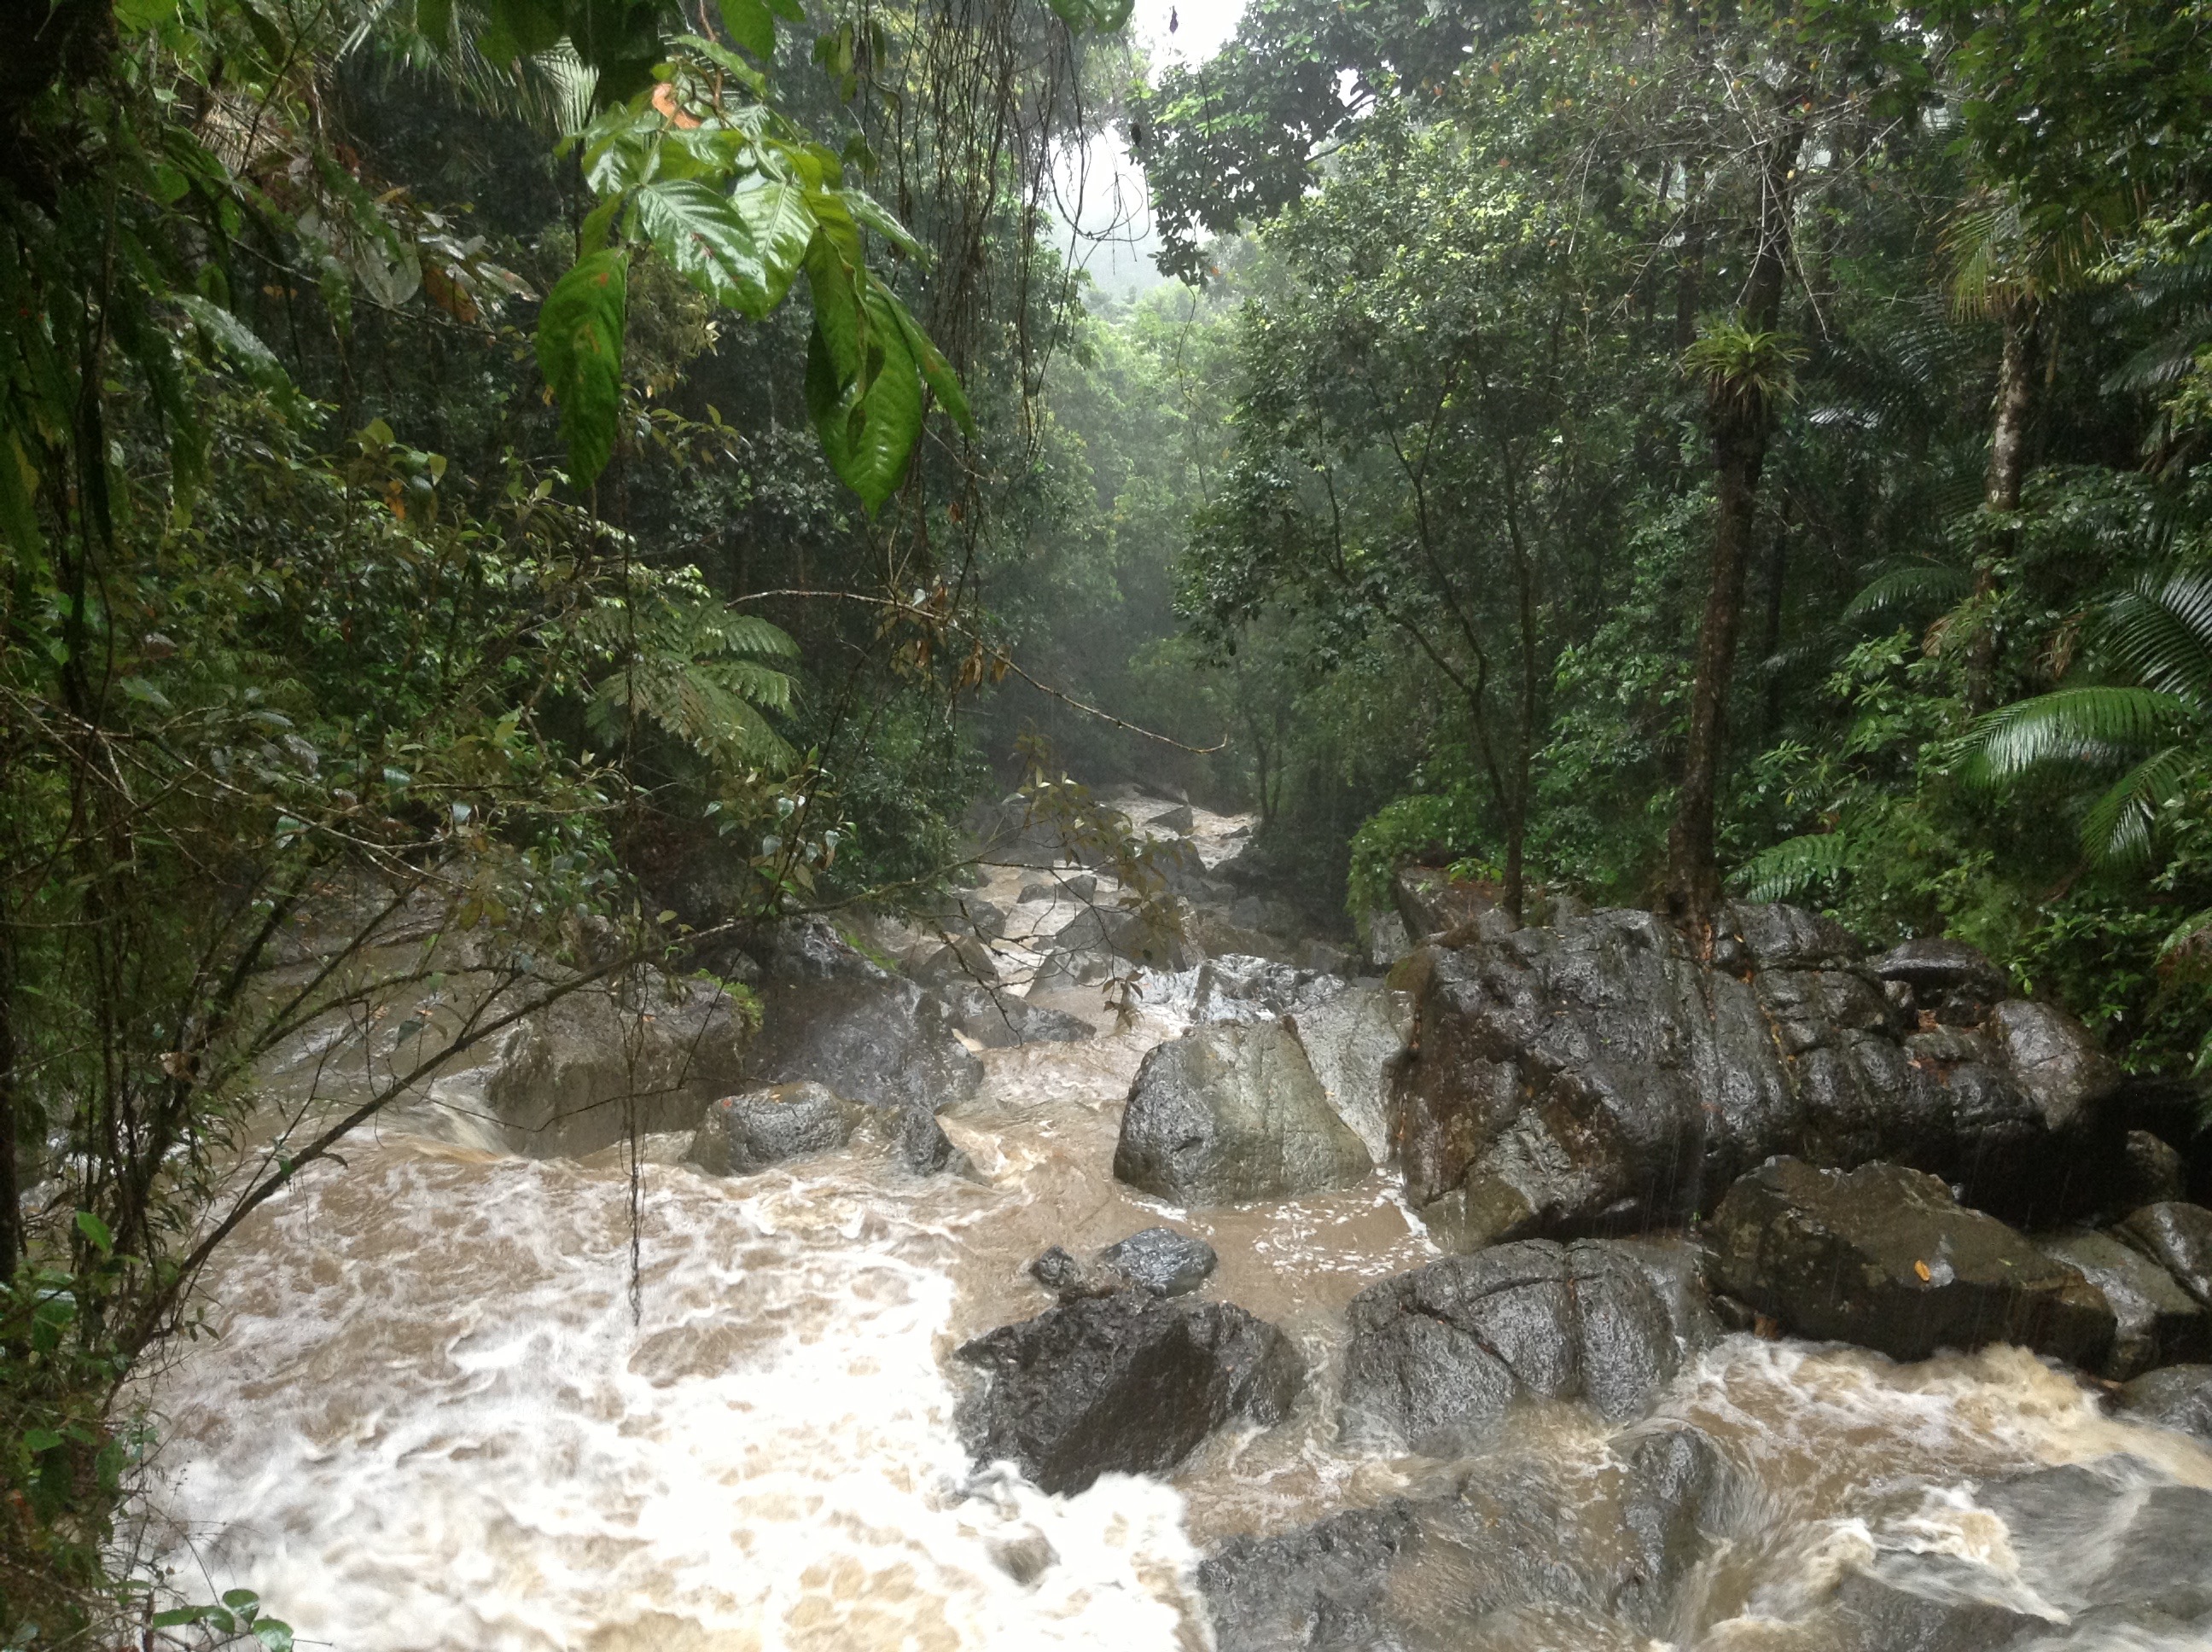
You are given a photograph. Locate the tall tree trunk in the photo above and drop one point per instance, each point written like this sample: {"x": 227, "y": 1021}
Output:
{"x": 1740, "y": 425}
{"x": 2001, "y": 489}
{"x": 11, "y": 1193}
{"x": 1777, "y": 568}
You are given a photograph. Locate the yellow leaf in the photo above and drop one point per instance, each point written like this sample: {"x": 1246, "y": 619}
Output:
{"x": 1921, "y": 1268}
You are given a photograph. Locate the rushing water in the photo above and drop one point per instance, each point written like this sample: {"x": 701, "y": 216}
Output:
{"x": 429, "y": 1419}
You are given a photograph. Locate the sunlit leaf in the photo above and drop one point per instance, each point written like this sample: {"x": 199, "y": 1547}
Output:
{"x": 579, "y": 336}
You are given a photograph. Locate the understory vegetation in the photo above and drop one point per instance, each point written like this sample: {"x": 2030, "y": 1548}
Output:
{"x": 587, "y": 474}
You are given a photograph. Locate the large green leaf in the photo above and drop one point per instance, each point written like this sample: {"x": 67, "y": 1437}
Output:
{"x": 863, "y": 384}
{"x": 742, "y": 250}
{"x": 579, "y": 336}
{"x": 752, "y": 27}
{"x": 936, "y": 371}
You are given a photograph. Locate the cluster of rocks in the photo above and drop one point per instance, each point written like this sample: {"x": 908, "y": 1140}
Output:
{"x": 1635, "y": 1150}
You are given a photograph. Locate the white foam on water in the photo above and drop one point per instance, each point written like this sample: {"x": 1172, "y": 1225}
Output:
{"x": 430, "y": 1422}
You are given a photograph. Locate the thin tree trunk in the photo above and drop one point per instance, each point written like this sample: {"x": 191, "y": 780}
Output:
{"x": 1777, "y": 568}
{"x": 11, "y": 1193}
{"x": 1740, "y": 425}
{"x": 2000, "y": 489}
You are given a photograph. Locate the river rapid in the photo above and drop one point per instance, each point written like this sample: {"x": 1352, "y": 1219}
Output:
{"x": 434, "y": 1414}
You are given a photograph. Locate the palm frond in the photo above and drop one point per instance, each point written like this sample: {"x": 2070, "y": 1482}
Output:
{"x": 2117, "y": 831}
{"x": 2095, "y": 725}
{"x": 2159, "y": 632}
{"x": 1914, "y": 585}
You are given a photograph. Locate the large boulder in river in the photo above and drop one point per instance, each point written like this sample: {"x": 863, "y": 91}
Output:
{"x": 998, "y": 1020}
{"x": 1883, "y": 1256}
{"x": 565, "y": 1079}
{"x": 830, "y": 1015}
{"x": 1519, "y": 1555}
{"x": 2178, "y": 1238}
{"x": 1130, "y": 1383}
{"x": 2180, "y": 1397}
{"x": 743, "y": 1134}
{"x": 1438, "y": 1356}
{"x": 2156, "y": 1322}
{"x": 1599, "y": 1075}
{"x": 1230, "y": 1114}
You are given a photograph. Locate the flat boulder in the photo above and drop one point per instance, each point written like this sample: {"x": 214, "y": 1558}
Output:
{"x": 1129, "y": 1383}
{"x": 1884, "y": 1257}
{"x": 1438, "y": 1356}
{"x": 998, "y": 1020}
{"x": 1230, "y": 1114}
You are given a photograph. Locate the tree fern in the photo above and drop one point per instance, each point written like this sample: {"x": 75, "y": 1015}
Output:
{"x": 1790, "y": 867}
{"x": 685, "y": 664}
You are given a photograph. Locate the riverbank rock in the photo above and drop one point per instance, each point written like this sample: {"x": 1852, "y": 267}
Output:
{"x": 998, "y": 1020}
{"x": 562, "y": 1081}
{"x": 2180, "y": 1397}
{"x": 1513, "y": 1558}
{"x": 1231, "y": 1113}
{"x": 1598, "y": 1076}
{"x": 2156, "y": 1321}
{"x": 1438, "y": 1356}
{"x": 1884, "y": 1257}
{"x": 832, "y": 1016}
{"x": 1130, "y": 1383}
{"x": 1090, "y": 945}
{"x": 2178, "y": 1238}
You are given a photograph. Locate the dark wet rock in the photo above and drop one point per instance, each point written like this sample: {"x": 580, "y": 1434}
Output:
{"x": 1437, "y": 1357}
{"x": 1128, "y": 1382}
{"x": 1059, "y": 1272}
{"x": 1598, "y": 1558}
{"x": 964, "y": 959}
{"x": 2150, "y": 1172}
{"x": 1027, "y": 1557}
{"x": 912, "y": 1137}
{"x": 1872, "y": 1613}
{"x": 1933, "y": 967}
{"x": 743, "y": 1134}
{"x": 2178, "y": 1238}
{"x": 998, "y": 1020}
{"x": 1431, "y": 903}
{"x": 1075, "y": 886}
{"x": 832, "y": 1014}
{"x": 2157, "y": 1322}
{"x": 1097, "y": 940}
{"x": 567, "y": 1079}
{"x": 1180, "y": 821}
{"x": 1231, "y": 1113}
{"x": 1162, "y": 1261}
{"x": 1386, "y": 939}
{"x": 1238, "y": 987}
{"x": 2178, "y": 1397}
{"x": 1597, "y": 1076}
{"x": 1883, "y": 1256}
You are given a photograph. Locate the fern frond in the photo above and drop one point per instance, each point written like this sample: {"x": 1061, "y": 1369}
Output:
{"x": 2160, "y": 631}
{"x": 1793, "y": 866}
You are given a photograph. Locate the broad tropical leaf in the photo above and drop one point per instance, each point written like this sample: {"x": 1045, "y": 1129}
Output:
{"x": 580, "y": 338}
{"x": 701, "y": 233}
{"x": 863, "y": 383}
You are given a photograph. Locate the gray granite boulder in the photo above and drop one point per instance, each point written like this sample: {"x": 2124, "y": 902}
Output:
{"x": 1231, "y": 1113}
{"x": 1600, "y": 1075}
{"x": 743, "y": 1134}
{"x": 1130, "y": 1383}
{"x": 1438, "y": 1356}
{"x": 1883, "y": 1256}
{"x": 2178, "y": 1238}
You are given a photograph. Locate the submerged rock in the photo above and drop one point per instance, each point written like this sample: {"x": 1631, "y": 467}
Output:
{"x": 1162, "y": 1261}
{"x": 998, "y": 1020}
{"x": 2156, "y": 1321}
{"x": 1128, "y": 1382}
{"x": 1597, "y": 1075}
{"x": 1437, "y": 1357}
{"x": 1231, "y": 1113}
{"x": 2178, "y": 1397}
{"x": 1595, "y": 1559}
{"x": 1884, "y": 1257}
